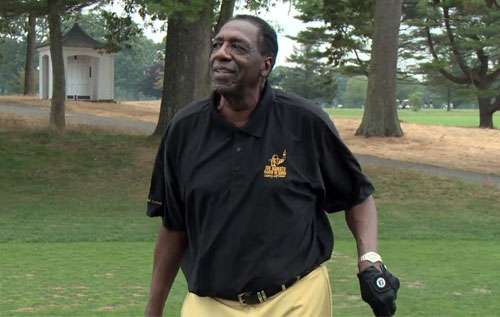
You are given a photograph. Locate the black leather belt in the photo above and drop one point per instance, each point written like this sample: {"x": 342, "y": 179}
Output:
{"x": 251, "y": 298}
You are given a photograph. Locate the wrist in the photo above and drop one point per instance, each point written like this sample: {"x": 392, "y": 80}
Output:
{"x": 369, "y": 259}
{"x": 366, "y": 264}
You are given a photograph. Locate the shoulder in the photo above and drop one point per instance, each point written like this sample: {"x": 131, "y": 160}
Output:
{"x": 183, "y": 124}
{"x": 301, "y": 107}
{"x": 191, "y": 111}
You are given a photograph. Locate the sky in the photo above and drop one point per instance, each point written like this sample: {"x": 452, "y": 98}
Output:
{"x": 282, "y": 15}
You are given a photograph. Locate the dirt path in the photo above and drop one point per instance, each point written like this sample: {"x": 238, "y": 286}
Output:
{"x": 469, "y": 154}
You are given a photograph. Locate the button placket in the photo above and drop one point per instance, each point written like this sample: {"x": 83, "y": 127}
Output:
{"x": 238, "y": 149}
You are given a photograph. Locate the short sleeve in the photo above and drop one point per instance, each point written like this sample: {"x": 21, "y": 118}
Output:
{"x": 345, "y": 183}
{"x": 164, "y": 199}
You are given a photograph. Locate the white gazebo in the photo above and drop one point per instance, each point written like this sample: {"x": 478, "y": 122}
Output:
{"x": 89, "y": 70}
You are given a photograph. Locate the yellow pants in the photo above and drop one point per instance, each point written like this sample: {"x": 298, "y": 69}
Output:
{"x": 311, "y": 296}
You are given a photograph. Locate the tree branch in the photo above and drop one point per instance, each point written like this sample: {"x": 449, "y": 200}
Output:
{"x": 225, "y": 13}
{"x": 442, "y": 71}
{"x": 362, "y": 65}
{"x": 466, "y": 70}
{"x": 493, "y": 76}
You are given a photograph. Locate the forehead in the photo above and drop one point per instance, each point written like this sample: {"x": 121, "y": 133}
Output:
{"x": 239, "y": 30}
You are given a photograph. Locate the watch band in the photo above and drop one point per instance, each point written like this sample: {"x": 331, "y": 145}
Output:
{"x": 371, "y": 257}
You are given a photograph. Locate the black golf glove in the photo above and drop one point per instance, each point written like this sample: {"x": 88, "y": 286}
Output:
{"x": 379, "y": 289}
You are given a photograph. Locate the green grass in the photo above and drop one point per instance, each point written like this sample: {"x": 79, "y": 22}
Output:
{"x": 75, "y": 240}
{"x": 456, "y": 117}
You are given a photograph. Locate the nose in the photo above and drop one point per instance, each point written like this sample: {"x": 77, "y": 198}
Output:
{"x": 222, "y": 53}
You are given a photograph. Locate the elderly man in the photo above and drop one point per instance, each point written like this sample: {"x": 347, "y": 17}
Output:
{"x": 243, "y": 181}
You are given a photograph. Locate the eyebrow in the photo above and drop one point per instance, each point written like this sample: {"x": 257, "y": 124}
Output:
{"x": 232, "y": 39}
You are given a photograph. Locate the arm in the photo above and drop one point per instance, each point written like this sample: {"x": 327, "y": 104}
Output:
{"x": 362, "y": 221}
{"x": 169, "y": 249}
{"x": 378, "y": 286}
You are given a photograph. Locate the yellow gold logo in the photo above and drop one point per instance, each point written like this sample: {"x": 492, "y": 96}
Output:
{"x": 273, "y": 170}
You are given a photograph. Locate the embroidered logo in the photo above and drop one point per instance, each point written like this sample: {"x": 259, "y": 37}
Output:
{"x": 273, "y": 170}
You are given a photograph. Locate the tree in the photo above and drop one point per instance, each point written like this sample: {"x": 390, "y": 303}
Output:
{"x": 133, "y": 64}
{"x": 191, "y": 26}
{"x": 190, "y": 29}
{"x": 416, "y": 100}
{"x": 472, "y": 43}
{"x": 57, "y": 111}
{"x": 344, "y": 40}
{"x": 152, "y": 82}
{"x": 186, "y": 60}
{"x": 11, "y": 65}
{"x": 380, "y": 117}
{"x": 11, "y": 10}
{"x": 309, "y": 78}
{"x": 54, "y": 9}
{"x": 29, "y": 69}
{"x": 355, "y": 92}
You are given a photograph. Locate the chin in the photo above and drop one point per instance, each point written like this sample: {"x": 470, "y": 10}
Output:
{"x": 224, "y": 89}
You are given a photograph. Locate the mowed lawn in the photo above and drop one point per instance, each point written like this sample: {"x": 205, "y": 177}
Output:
{"x": 75, "y": 241}
{"x": 455, "y": 117}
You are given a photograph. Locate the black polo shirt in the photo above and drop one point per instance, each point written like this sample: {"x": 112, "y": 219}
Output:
{"x": 252, "y": 200}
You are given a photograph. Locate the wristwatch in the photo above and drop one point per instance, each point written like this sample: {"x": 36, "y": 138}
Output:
{"x": 370, "y": 257}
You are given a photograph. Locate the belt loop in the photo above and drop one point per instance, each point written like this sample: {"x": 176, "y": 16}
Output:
{"x": 283, "y": 287}
{"x": 262, "y": 296}
{"x": 241, "y": 298}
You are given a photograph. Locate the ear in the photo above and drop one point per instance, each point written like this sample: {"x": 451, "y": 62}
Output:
{"x": 267, "y": 66}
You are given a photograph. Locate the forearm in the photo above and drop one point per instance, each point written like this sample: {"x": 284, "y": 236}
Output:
{"x": 169, "y": 249}
{"x": 362, "y": 221}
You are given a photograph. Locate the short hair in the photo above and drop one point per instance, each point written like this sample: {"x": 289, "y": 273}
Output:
{"x": 269, "y": 42}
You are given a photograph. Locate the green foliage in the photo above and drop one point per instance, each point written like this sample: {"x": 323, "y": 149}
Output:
{"x": 12, "y": 66}
{"x": 355, "y": 92}
{"x": 164, "y": 9}
{"x": 119, "y": 30}
{"x": 309, "y": 78}
{"x": 343, "y": 39}
{"x": 132, "y": 66}
{"x": 463, "y": 49}
{"x": 416, "y": 100}
{"x": 152, "y": 83}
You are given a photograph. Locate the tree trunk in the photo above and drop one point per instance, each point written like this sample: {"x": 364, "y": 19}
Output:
{"x": 186, "y": 75}
{"x": 448, "y": 99}
{"x": 29, "y": 69}
{"x": 57, "y": 119}
{"x": 225, "y": 13}
{"x": 485, "y": 113}
{"x": 380, "y": 117}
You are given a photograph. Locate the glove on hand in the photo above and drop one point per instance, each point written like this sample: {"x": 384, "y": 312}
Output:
{"x": 379, "y": 290}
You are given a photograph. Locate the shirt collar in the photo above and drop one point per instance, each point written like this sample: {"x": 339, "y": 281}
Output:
{"x": 258, "y": 119}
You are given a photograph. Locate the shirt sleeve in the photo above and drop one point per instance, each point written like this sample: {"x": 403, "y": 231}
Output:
{"x": 345, "y": 183}
{"x": 164, "y": 199}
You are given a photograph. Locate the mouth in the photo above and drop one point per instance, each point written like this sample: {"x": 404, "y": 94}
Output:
{"x": 222, "y": 70}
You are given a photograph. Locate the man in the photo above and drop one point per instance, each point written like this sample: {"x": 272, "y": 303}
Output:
{"x": 242, "y": 180}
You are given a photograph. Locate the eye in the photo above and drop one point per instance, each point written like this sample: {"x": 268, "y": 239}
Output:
{"x": 238, "y": 48}
{"x": 216, "y": 46}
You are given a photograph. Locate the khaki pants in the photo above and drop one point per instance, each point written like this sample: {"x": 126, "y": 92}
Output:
{"x": 310, "y": 297}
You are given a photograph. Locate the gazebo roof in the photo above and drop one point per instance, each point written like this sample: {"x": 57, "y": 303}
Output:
{"x": 76, "y": 37}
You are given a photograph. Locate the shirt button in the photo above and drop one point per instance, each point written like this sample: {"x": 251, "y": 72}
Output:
{"x": 238, "y": 149}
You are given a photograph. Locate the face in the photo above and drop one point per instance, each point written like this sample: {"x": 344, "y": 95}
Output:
{"x": 236, "y": 63}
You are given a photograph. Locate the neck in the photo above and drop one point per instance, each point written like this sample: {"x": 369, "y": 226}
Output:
{"x": 237, "y": 109}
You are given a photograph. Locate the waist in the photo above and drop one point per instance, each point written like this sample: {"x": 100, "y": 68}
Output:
{"x": 256, "y": 297}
